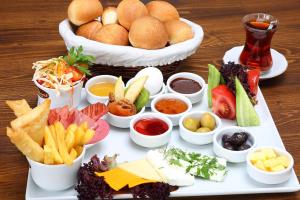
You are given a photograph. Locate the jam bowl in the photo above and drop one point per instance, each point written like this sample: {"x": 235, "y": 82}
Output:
{"x": 150, "y": 130}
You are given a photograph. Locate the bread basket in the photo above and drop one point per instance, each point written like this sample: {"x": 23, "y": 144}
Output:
{"x": 128, "y": 60}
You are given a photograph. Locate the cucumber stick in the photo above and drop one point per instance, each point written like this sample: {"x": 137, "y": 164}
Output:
{"x": 214, "y": 77}
{"x": 245, "y": 112}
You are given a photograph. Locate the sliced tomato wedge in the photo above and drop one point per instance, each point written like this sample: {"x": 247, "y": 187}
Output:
{"x": 253, "y": 79}
{"x": 223, "y": 102}
{"x": 77, "y": 75}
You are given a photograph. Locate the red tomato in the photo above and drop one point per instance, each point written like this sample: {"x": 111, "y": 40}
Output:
{"x": 77, "y": 75}
{"x": 253, "y": 79}
{"x": 223, "y": 102}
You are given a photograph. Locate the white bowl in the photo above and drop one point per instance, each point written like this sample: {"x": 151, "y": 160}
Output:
{"x": 229, "y": 155}
{"x": 98, "y": 79}
{"x": 121, "y": 121}
{"x": 198, "y": 138}
{"x": 270, "y": 177}
{"x": 174, "y": 118}
{"x": 194, "y": 97}
{"x": 55, "y": 177}
{"x": 70, "y": 97}
{"x": 128, "y": 56}
{"x": 162, "y": 91}
{"x": 150, "y": 141}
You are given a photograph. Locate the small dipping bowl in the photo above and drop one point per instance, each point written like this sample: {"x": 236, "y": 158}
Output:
{"x": 121, "y": 121}
{"x": 173, "y": 117}
{"x": 231, "y": 155}
{"x": 55, "y": 177}
{"x": 162, "y": 91}
{"x": 92, "y": 98}
{"x": 194, "y": 137}
{"x": 193, "y": 97}
{"x": 270, "y": 177}
{"x": 150, "y": 141}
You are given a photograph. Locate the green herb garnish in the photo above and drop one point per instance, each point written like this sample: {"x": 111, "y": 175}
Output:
{"x": 76, "y": 58}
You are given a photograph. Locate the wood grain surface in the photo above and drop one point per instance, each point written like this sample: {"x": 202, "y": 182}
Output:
{"x": 29, "y": 32}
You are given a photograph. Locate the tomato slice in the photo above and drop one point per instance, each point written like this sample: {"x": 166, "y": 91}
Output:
{"x": 253, "y": 80}
{"x": 223, "y": 102}
{"x": 77, "y": 75}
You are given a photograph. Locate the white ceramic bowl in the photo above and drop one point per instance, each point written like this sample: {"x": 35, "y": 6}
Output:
{"x": 98, "y": 79}
{"x": 162, "y": 91}
{"x": 194, "y": 97}
{"x": 198, "y": 138}
{"x": 150, "y": 141}
{"x": 121, "y": 121}
{"x": 229, "y": 155}
{"x": 65, "y": 97}
{"x": 55, "y": 177}
{"x": 270, "y": 177}
{"x": 174, "y": 118}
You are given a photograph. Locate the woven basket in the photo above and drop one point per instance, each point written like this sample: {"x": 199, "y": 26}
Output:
{"x": 126, "y": 61}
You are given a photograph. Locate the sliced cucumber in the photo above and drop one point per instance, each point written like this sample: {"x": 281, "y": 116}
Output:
{"x": 214, "y": 77}
{"x": 142, "y": 99}
{"x": 245, "y": 112}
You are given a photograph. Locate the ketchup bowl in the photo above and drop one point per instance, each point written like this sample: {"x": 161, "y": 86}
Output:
{"x": 150, "y": 130}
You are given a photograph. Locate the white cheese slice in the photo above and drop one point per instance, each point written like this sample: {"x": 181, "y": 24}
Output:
{"x": 173, "y": 175}
{"x": 141, "y": 168}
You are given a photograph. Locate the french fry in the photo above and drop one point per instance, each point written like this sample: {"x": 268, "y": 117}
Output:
{"x": 85, "y": 126}
{"x": 48, "y": 155}
{"x": 79, "y": 133}
{"x": 49, "y": 141}
{"x": 53, "y": 133}
{"x": 62, "y": 146}
{"x": 70, "y": 139}
{"x": 88, "y": 135}
{"x": 73, "y": 154}
{"x": 78, "y": 149}
{"x": 72, "y": 127}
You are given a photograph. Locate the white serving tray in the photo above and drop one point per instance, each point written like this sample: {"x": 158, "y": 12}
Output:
{"x": 236, "y": 182}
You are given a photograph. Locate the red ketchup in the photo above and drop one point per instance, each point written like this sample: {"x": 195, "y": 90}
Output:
{"x": 151, "y": 126}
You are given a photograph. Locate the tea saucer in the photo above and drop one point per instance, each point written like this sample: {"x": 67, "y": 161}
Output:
{"x": 279, "y": 66}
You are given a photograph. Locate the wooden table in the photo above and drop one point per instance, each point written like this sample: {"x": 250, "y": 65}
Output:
{"x": 29, "y": 32}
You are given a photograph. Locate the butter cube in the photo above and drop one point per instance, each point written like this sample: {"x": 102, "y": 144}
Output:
{"x": 269, "y": 153}
{"x": 256, "y": 156}
{"x": 277, "y": 168}
{"x": 283, "y": 160}
{"x": 260, "y": 165}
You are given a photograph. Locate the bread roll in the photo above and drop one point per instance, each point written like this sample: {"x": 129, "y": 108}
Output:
{"x": 110, "y": 16}
{"x": 88, "y": 30}
{"x": 162, "y": 10}
{"x": 130, "y": 10}
{"x": 112, "y": 34}
{"x": 83, "y": 11}
{"x": 148, "y": 33}
{"x": 178, "y": 31}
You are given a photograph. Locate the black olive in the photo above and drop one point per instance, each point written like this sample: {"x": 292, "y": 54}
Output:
{"x": 237, "y": 139}
{"x": 228, "y": 146}
{"x": 225, "y": 138}
{"x": 243, "y": 147}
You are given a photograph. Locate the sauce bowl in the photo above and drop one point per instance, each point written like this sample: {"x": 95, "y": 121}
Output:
{"x": 173, "y": 117}
{"x": 194, "y": 97}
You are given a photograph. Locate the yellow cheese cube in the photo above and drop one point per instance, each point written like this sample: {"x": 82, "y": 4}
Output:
{"x": 269, "y": 153}
{"x": 271, "y": 163}
{"x": 283, "y": 160}
{"x": 260, "y": 165}
{"x": 277, "y": 168}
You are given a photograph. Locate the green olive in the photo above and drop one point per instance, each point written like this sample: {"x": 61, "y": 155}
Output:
{"x": 191, "y": 124}
{"x": 208, "y": 121}
{"x": 203, "y": 130}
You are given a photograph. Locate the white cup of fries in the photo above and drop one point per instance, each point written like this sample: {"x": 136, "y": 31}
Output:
{"x": 60, "y": 97}
{"x": 55, "y": 177}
